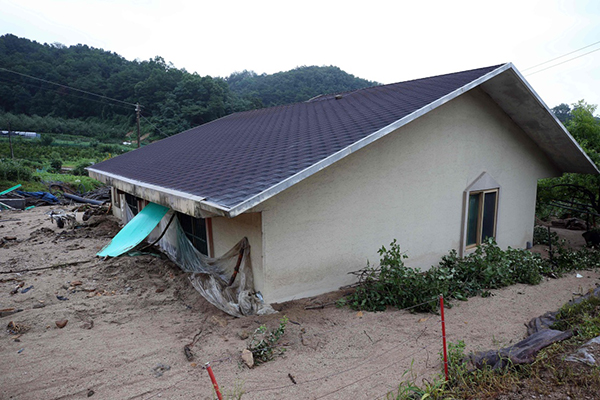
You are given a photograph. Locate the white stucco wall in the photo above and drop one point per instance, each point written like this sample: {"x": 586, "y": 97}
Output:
{"x": 408, "y": 185}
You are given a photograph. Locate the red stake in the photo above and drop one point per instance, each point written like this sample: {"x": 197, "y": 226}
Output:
{"x": 214, "y": 381}
{"x": 444, "y": 337}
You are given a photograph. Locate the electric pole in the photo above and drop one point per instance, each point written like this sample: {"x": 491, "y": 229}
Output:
{"x": 137, "y": 113}
{"x": 12, "y": 155}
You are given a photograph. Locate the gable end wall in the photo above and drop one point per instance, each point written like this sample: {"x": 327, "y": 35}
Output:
{"x": 408, "y": 185}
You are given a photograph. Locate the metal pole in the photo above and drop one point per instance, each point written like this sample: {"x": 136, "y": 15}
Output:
{"x": 444, "y": 337}
{"x": 137, "y": 113}
{"x": 214, "y": 381}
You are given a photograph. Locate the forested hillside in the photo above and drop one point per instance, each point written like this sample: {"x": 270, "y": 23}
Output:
{"x": 173, "y": 99}
{"x": 299, "y": 84}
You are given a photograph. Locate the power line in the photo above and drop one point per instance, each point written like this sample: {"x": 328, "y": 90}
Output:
{"x": 566, "y": 61}
{"x": 157, "y": 128}
{"x": 7, "y": 79}
{"x": 67, "y": 87}
{"x": 564, "y": 55}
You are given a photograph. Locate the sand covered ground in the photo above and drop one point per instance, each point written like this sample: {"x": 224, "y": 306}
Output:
{"x": 128, "y": 320}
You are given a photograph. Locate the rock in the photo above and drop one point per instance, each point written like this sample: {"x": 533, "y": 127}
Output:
{"x": 220, "y": 321}
{"x": 90, "y": 393}
{"x": 10, "y": 238}
{"x": 243, "y": 335}
{"x": 248, "y": 358}
{"x": 62, "y": 323}
{"x": 76, "y": 283}
{"x": 160, "y": 289}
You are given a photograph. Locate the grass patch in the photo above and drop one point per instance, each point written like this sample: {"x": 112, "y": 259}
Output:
{"x": 582, "y": 318}
{"x": 80, "y": 183}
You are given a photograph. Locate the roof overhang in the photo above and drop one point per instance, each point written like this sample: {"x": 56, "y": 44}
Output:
{"x": 522, "y": 104}
{"x": 505, "y": 85}
{"x": 174, "y": 199}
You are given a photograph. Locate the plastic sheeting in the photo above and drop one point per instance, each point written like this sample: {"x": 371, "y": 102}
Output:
{"x": 211, "y": 277}
{"x": 135, "y": 231}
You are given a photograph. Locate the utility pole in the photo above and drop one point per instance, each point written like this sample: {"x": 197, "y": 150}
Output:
{"x": 12, "y": 154}
{"x": 137, "y": 113}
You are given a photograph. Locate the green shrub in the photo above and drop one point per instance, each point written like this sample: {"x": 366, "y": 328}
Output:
{"x": 488, "y": 267}
{"x": 56, "y": 164}
{"x": 46, "y": 140}
{"x": 540, "y": 236}
{"x": 263, "y": 343}
{"x": 14, "y": 170}
{"x": 80, "y": 169}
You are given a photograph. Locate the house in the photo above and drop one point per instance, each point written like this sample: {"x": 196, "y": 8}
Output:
{"x": 318, "y": 187}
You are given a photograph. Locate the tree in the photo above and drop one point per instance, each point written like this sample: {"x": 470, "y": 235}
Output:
{"x": 562, "y": 112}
{"x": 578, "y": 193}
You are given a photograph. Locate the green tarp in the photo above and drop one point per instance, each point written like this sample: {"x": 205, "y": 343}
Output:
{"x": 135, "y": 231}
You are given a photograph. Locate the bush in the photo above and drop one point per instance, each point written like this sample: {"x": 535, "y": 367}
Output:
{"x": 46, "y": 140}
{"x": 56, "y": 164}
{"x": 540, "y": 236}
{"x": 263, "y": 343}
{"x": 80, "y": 169}
{"x": 15, "y": 171}
{"x": 488, "y": 267}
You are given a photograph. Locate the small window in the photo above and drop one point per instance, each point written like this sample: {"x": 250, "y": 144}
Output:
{"x": 195, "y": 230}
{"x": 132, "y": 201}
{"x": 481, "y": 220}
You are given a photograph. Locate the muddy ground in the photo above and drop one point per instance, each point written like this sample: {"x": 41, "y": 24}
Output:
{"x": 128, "y": 320}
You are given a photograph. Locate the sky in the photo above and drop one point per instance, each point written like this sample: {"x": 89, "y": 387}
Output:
{"x": 383, "y": 41}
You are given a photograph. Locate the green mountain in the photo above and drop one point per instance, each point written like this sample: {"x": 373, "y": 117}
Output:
{"x": 173, "y": 99}
{"x": 296, "y": 85}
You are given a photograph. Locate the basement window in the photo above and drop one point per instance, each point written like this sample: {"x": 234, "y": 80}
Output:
{"x": 132, "y": 202}
{"x": 195, "y": 230}
{"x": 481, "y": 216}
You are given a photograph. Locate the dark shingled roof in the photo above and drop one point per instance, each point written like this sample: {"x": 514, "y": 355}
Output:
{"x": 232, "y": 159}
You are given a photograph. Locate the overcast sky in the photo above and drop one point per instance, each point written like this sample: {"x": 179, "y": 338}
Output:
{"x": 383, "y": 41}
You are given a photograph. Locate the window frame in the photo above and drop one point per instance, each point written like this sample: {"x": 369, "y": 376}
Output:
{"x": 483, "y": 183}
{"x": 129, "y": 198}
{"x": 199, "y": 242}
{"x": 481, "y": 216}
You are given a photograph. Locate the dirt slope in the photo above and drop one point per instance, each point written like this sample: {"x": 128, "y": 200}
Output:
{"x": 130, "y": 318}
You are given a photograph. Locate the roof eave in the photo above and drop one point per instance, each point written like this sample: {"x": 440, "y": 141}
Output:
{"x": 176, "y": 200}
{"x": 520, "y": 101}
